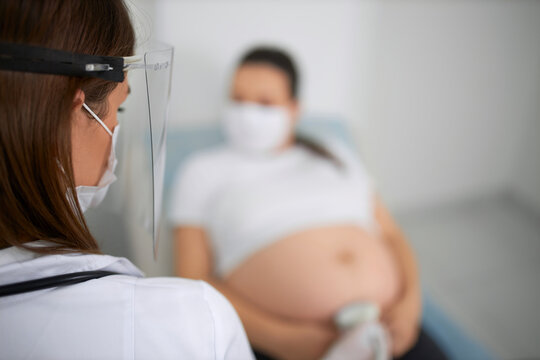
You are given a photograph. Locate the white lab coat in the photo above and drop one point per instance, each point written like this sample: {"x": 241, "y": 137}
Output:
{"x": 114, "y": 317}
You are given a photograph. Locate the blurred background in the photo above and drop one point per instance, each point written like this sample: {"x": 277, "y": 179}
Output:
{"x": 442, "y": 99}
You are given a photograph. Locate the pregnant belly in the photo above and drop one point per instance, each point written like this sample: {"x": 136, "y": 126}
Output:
{"x": 310, "y": 275}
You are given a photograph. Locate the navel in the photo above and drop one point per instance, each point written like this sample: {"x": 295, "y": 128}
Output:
{"x": 346, "y": 257}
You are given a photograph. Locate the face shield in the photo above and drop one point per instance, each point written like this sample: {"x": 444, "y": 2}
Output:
{"x": 135, "y": 200}
{"x": 132, "y": 207}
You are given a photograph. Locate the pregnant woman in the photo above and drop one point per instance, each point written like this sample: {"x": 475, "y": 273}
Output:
{"x": 290, "y": 230}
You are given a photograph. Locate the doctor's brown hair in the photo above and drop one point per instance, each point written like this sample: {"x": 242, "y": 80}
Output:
{"x": 36, "y": 173}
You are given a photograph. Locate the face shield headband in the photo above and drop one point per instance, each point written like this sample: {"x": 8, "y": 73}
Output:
{"x": 41, "y": 60}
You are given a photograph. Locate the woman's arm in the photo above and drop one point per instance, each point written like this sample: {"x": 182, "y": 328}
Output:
{"x": 402, "y": 250}
{"x": 403, "y": 318}
{"x": 274, "y": 336}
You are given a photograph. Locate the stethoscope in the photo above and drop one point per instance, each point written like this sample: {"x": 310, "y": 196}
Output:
{"x": 52, "y": 282}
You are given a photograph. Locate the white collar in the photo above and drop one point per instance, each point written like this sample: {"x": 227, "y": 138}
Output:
{"x": 18, "y": 264}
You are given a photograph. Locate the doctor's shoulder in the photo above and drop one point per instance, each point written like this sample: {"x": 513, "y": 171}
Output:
{"x": 186, "y": 318}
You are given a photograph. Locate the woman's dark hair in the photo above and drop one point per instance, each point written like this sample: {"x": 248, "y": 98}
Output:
{"x": 281, "y": 60}
{"x": 277, "y": 58}
{"x": 37, "y": 186}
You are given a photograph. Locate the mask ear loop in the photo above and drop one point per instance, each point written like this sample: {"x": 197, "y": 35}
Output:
{"x": 97, "y": 119}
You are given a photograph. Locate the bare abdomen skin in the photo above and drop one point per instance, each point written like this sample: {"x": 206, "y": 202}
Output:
{"x": 310, "y": 275}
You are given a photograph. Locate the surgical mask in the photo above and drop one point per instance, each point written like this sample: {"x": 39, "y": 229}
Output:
{"x": 254, "y": 128}
{"x": 92, "y": 196}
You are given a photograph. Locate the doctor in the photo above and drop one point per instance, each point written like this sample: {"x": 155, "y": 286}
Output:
{"x": 62, "y": 80}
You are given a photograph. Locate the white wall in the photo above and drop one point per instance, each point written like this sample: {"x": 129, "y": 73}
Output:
{"x": 527, "y": 166}
{"x": 209, "y": 37}
{"x": 452, "y": 87}
{"x": 438, "y": 93}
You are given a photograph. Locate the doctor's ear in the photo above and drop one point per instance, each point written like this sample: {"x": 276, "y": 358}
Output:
{"x": 78, "y": 99}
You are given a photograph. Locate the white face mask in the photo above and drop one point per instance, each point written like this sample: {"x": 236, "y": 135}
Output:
{"x": 256, "y": 128}
{"x": 92, "y": 196}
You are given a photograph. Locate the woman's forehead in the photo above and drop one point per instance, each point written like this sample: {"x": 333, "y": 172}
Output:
{"x": 258, "y": 77}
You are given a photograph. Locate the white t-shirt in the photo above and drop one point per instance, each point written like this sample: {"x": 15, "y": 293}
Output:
{"x": 122, "y": 316}
{"x": 246, "y": 202}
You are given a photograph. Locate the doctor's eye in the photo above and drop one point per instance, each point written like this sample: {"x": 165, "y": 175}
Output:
{"x": 121, "y": 109}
